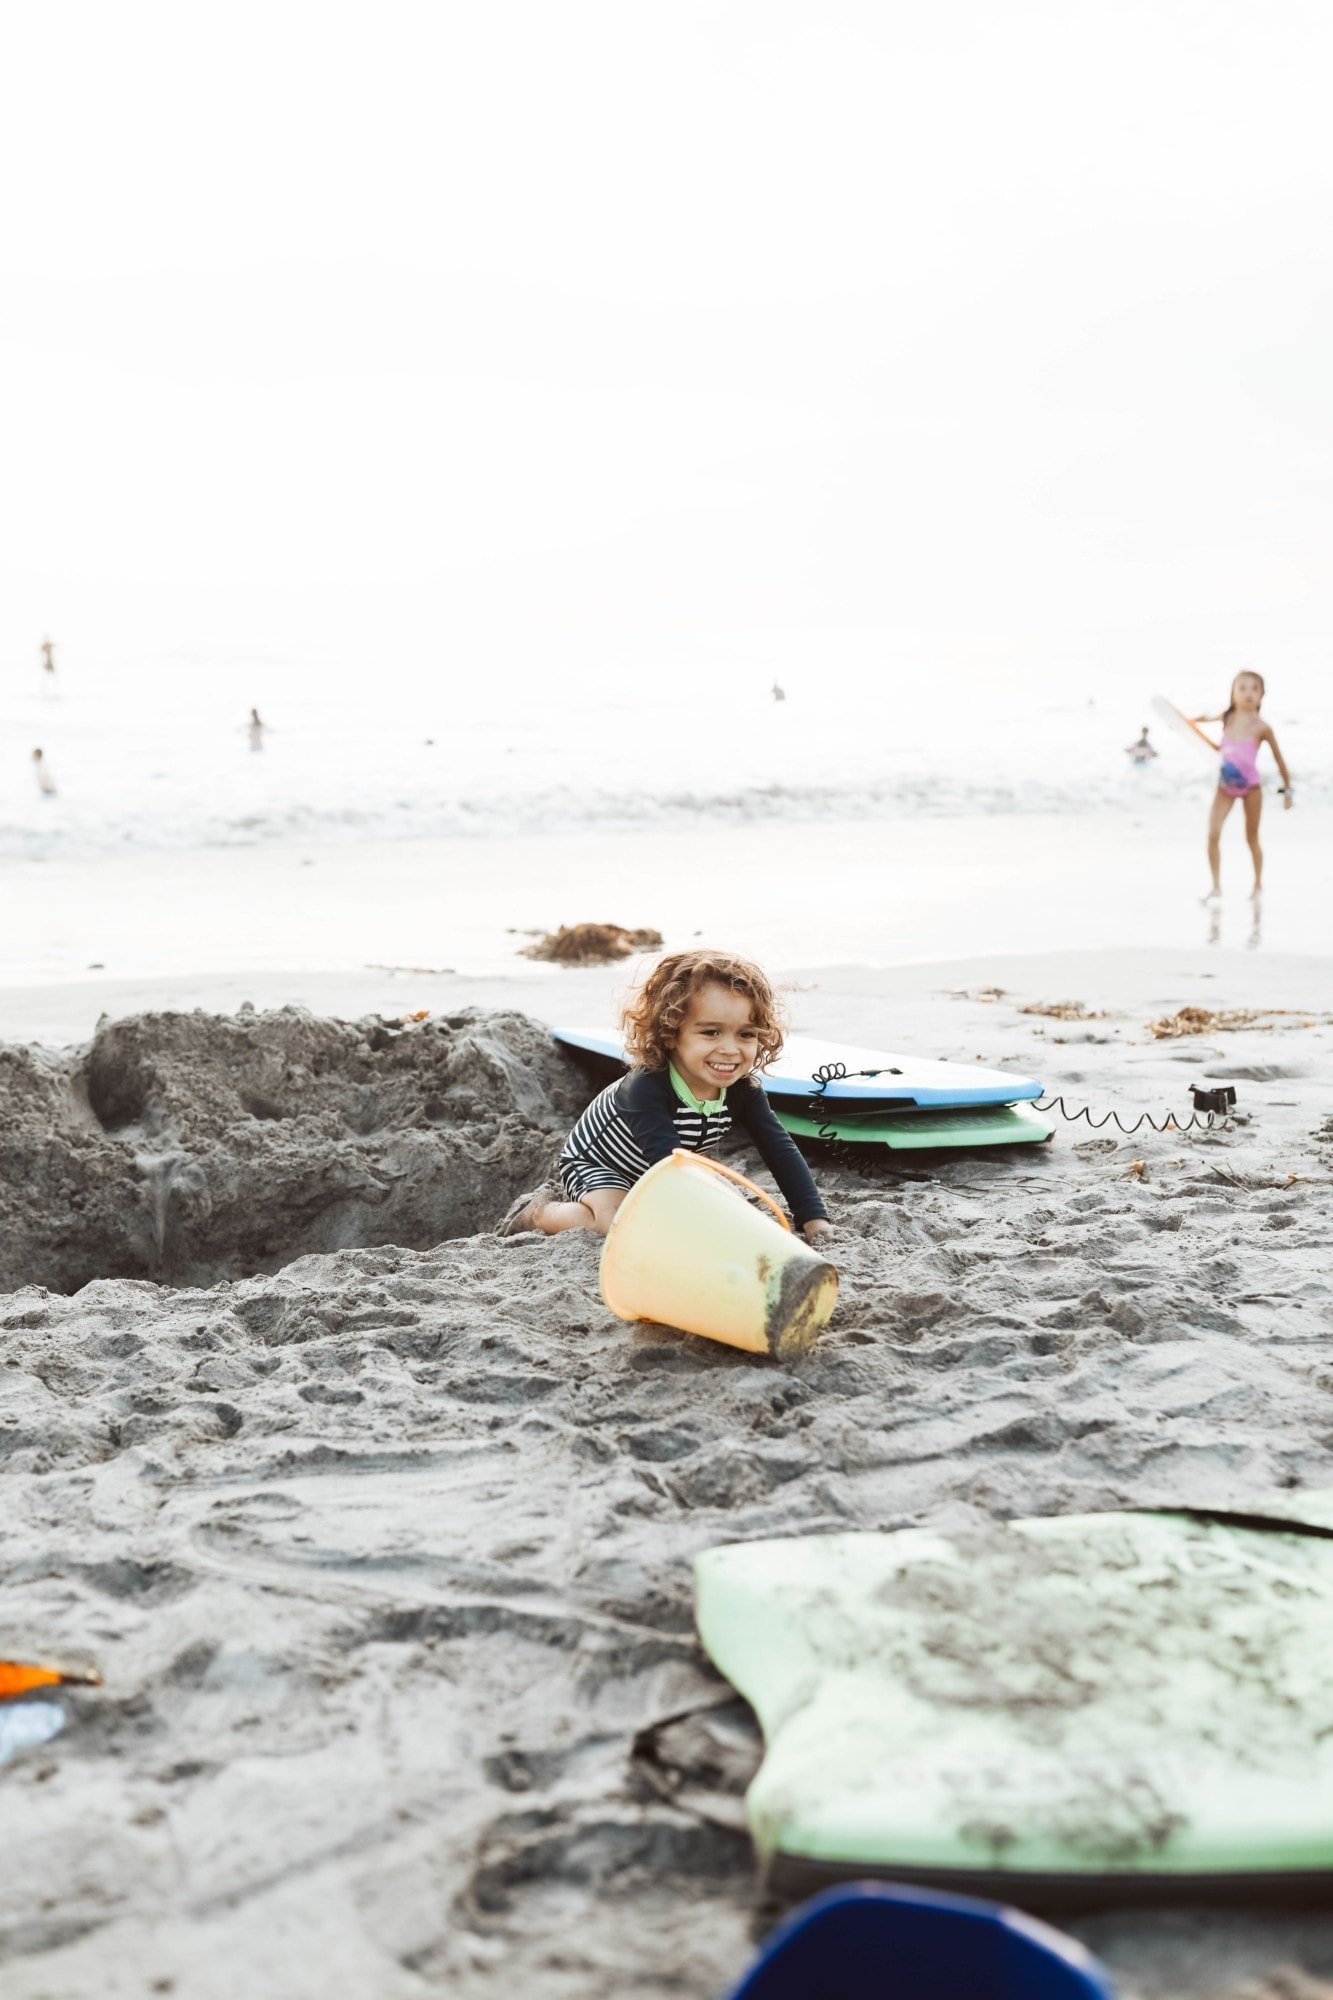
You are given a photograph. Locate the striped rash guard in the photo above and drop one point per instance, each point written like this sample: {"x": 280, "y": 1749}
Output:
{"x": 642, "y": 1119}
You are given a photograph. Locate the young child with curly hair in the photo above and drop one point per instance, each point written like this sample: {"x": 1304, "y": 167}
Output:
{"x": 698, "y": 1029}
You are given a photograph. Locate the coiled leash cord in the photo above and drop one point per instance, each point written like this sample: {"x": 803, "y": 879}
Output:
{"x": 1215, "y": 1105}
{"x": 838, "y": 1072}
{"x": 818, "y": 1108}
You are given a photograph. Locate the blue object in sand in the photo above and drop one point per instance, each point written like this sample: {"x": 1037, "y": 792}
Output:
{"x": 871, "y": 1941}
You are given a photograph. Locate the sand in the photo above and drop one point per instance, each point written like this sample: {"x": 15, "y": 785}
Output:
{"x": 193, "y": 1147}
{"x": 384, "y": 1553}
{"x": 804, "y": 892}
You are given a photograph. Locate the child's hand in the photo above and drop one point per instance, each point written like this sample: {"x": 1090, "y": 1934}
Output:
{"x": 1287, "y": 800}
{"x": 814, "y": 1229}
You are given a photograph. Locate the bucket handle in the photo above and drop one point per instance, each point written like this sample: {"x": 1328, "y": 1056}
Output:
{"x": 729, "y": 1173}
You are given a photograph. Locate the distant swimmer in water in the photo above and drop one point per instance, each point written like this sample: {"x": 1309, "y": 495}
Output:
{"x": 46, "y": 784}
{"x": 1244, "y": 732}
{"x": 1141, "y": 751}
{"x": 255, "y": 730}
{"x": 779, "y": 693}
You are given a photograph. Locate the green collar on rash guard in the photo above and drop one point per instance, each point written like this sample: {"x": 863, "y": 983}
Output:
{"x": 687, "y": 1096}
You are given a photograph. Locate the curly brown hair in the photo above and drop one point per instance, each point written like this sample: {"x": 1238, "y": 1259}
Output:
{"x": 652, "y": 1016}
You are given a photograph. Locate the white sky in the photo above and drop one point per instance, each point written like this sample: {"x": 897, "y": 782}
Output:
{"x": 976, "y": 330}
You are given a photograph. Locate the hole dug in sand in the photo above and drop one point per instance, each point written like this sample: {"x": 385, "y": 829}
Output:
{"x": 192, "y": 1148}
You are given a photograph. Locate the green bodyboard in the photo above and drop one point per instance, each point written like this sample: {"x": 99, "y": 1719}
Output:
{"x": 1120, "y": 1707}
{"x": 969, "y": 1125}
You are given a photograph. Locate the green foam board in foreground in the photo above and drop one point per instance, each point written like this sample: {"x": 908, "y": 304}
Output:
{"x": 1111, "y": 1707}
{"x": 971, "y": 1125}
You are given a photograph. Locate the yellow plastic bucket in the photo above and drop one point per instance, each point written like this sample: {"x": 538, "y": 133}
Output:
{"x": 684, "y": 1251}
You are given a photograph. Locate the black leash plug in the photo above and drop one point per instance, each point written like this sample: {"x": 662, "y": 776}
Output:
{"x": 1219, "y": 1099}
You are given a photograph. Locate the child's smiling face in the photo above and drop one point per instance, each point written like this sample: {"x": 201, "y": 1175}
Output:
{"x": 717, "y": 1041}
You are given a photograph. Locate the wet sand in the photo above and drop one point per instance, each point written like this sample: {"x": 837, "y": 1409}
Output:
{"x": 793, "y": 893}
{"x": 385, "y": 1554}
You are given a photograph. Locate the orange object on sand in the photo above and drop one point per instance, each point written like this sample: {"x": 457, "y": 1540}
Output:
{"x": 21, "y": 1676}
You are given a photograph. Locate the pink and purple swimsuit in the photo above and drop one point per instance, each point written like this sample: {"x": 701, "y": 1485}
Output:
{"x": 1240, "y": 766}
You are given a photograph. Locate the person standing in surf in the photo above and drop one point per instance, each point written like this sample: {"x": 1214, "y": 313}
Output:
{"x": 1244, "y": 732}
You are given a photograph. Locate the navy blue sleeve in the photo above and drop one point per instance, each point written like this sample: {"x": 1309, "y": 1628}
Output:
{"x": 647, "y": 1104}
{"x": 748, "y": 1104}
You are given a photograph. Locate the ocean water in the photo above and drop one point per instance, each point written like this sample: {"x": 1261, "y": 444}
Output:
{"x": 153, "y": 754}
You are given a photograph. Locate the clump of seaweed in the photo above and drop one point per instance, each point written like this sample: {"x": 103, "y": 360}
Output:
{"x": 1217, "y": 1020}
{"x": 1064, "y": 1010}
{"x": 591, "y": 944}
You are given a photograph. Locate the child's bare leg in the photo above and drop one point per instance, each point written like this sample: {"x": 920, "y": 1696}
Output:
{"x": 1254, "y": 805}
{"x": 597, "y": 1210}
{"x": 1221, "y": 807}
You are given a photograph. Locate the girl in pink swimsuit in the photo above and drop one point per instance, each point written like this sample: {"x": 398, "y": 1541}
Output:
{"x": 1243, "y": 731}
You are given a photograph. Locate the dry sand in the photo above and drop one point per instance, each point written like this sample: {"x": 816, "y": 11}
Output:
{"x": 385, "y": 1554}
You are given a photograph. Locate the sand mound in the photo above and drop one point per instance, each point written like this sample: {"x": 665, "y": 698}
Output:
{"x": 189, "y": 1148}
